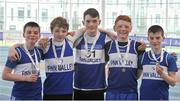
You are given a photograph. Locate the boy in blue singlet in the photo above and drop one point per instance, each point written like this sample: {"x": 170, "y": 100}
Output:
{"x": 59, "y": 63}
{"x": 25, "y": 71}
{"x": 159, "y": 68}
{"x": 122, "y": 57}
{"x": 89, "y": 77}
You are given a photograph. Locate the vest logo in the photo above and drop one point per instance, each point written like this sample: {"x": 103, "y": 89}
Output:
{"x": 151, "y": 75}
{"x": 90, "y": 60}
{"x": 121, "y": 62}
{"x": 24, "y": 73}
{"x": 56, "y": 68}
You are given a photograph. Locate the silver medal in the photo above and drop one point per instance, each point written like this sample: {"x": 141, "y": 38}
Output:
{"x": 157, "y": 63}
{"x": 123, "y": 70}
{"x": 35, "y": 64}
{"x": 60, "y": 61}
{"x": 89, "y": 51}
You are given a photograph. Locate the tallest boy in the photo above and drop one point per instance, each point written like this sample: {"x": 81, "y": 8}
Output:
{"x": 89, "y": 78}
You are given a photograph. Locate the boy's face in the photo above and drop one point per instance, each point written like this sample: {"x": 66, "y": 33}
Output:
{"x": 123, "y": 28}
{"x": 59, "y": 33}
{"x": 31, "y": 34}
{"x": 91, "y": 24}
{"x": 155, "y": 39}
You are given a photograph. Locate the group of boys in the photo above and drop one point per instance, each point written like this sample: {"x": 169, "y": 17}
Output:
{"x": 86, "y": 78}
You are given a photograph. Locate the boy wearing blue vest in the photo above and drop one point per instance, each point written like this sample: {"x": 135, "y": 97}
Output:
{"x": 59, "y": 63}
{"x": 159, "y": 68}
{"x": 89, "y": 77}
{"x": 25, "y": 71}
{"x": 122, "y": 57}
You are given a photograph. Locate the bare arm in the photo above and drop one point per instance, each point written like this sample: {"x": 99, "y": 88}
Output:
{"x": 43, "y": 42}
{"x": 142, "y": 47}
{"x": 175, "y": 55}
{"x": 109, "y": 33}
{"x": 76, "y": 35}
{"x": 170, "y": 78}
{"x": 7, "y": 75}
{"x": 107, "y": 71}
{"x": 13, "y": 54}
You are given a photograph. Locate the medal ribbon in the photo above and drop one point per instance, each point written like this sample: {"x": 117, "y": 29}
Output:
{"x": 94, "y": 42}
{"x": 154, "y": 57}
{"x": 62, "y": 51}
{"x": 127, "y": 50}
{"x": 36, "y": 63}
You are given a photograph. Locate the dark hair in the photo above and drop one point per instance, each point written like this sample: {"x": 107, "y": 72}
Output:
{"x": 60, "y": 22}
{"x": 156, "y": 28}
{"x": 92, "y": 12}
{"x": 31, "y": 24}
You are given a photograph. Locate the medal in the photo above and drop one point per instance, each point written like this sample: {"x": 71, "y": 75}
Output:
{"x": 123, "y": 70}
{"x": 121, "y": 56}
{"x": 35, "y": 64}
{"x": 88, "y": 52}
{"x": 59, "y": 60}
{"x": 157, "y": 63}
{"x": 154, "y": 57}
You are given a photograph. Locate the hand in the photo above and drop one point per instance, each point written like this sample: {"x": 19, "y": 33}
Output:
{"x": 82, "y": 30}
{"x": 72, "y": 33}
{"x": 159, "y": 69}
{"x": 142, "y": 46}
{"x": 13, "y": 54}
{"x": 31, "y": 78}
{"x": 112, "y": 35}
{"x": 175, "y": 55}
{"x": 43, "y": 42}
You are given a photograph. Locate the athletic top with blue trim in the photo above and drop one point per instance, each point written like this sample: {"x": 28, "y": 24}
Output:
{"x": 59, "y": 77}
{"x": 122, "y": 75}
{"x": 153, "y": 87}
{"x": 23, "y": 90}
{"x": 90, "y": 69}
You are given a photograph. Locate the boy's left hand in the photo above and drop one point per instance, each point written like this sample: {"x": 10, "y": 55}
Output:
{"x": 112, "y": 35}
{"x": 43, "y": 42}
{"x": 175, "y": 55}
{"x": 72, "y": 33}
{"x": 142, "y": 46}
{"x": 159, "y": 70}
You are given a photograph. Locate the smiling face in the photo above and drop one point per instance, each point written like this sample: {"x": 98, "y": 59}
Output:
{"x": 31, "y": 35}
{"x": 59, "y": 28}
{"x": 91, "y": 24}
{"x": 122, "y": 28}
{"x": 155, "y": 40}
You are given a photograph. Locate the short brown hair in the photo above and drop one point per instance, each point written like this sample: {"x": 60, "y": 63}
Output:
{"x": 123, "y": 17}
{"x": 92, "y": 12}
{"x": 156, "y": 28}
{"x": 59, "y": 22}
{"x": 31, "y": 24}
